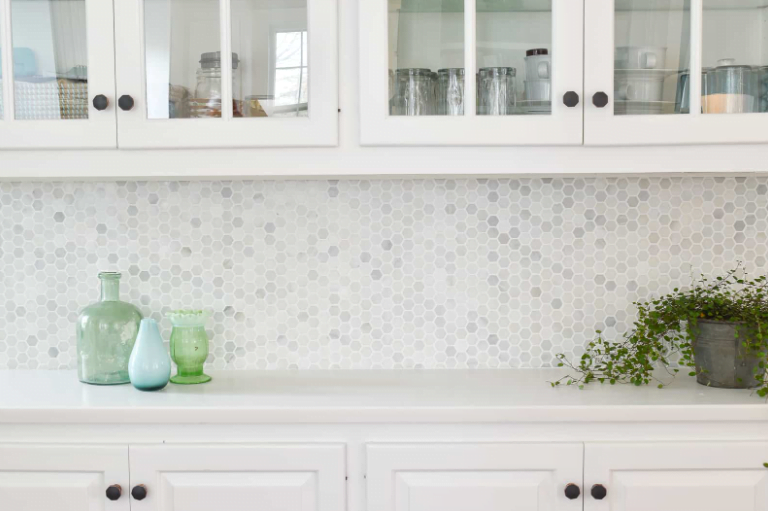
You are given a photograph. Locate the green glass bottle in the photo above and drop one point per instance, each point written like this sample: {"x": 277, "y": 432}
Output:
{"x": 106, "y": 332}
{"x": 189, "y": 345}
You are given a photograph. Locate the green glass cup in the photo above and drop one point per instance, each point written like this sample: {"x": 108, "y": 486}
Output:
{"x": 189, "y": 345}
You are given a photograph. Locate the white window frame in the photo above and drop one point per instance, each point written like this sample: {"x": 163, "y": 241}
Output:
{"x": 273, "y": 65}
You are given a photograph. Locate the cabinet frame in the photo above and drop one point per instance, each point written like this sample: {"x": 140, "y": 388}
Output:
{"x": 99, "y": 131}
{"x": 562, "y": 127}
{"x": 602, "y": 127}
{"x": 320, "y": 128}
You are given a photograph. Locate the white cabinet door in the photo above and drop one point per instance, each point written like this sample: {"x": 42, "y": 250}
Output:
{"x": 309, "y": 477}
{"x": 643, "y": 60}
{"x": 57, "y": 77}
{"x": 467, "y": 72}
{"x": 278, "y": 88}
{"x": 63, "y": 478}
{"x": 473, "y": 476}
{"x": 707, "y": 476}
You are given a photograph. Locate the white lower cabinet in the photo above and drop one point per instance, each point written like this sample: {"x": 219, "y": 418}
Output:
{"x": 472, "y": 476}
{"x": 269, "y": 477}
{"x": 423, "y": 476}
{"x": 705, "y": 476}
{"x": 63, "y": 478}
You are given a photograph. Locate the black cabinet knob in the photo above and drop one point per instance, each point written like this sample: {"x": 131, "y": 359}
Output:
{"x": 139, "y": 492}
{"x": 100, "y": 102}
{"x": 570, "y": 99}
{"x": 599, "y": 492}
{"x": 125, "y": 102}
{"x": 114, "y": 492}
{"x": 572, "y": 491}
{"x": 600, "y": 99}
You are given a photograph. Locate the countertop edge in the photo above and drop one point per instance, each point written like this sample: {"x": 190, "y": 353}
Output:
{"x": 389, "y": 415}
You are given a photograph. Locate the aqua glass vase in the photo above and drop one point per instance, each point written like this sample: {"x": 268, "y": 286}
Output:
{"x": 150, "y": 365}
{"x": 189, "y": 345}
{"x": 106, "y": 333}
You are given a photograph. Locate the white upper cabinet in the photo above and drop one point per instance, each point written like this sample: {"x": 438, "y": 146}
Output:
{"x": 57, "y": 77}
{"x": 278, "y": 87}
{"x": 471, "y": 72}
{"x": 644, "y": 59}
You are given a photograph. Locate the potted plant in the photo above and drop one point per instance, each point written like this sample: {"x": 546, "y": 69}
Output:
{"x": 716, "y": 329}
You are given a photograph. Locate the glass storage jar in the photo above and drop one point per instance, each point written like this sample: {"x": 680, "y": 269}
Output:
{"x": 496, "y": 91}
{"x": 414, "y": 92}
{"x": 450, "y": 91}
{"x": 207, "y": 100}
{"x": 732, "y": 89}
{"x": 106, "y": 333}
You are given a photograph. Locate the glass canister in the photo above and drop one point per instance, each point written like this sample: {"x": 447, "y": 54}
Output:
{"x": 106, "y": 333}
{"x": 732, "y": 89}
{"x": 189, "y": 345}
{"x": 683, "y": 96}
{"x": 207, "y": 100}
{"x": 764, "y": 89}
{"x": 450, "y": 91}
{"x": 414, "y": 92}
{"x": 496, "y": 91}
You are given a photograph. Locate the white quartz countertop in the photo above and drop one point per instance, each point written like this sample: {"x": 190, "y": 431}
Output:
{"x": 417, "y": 396}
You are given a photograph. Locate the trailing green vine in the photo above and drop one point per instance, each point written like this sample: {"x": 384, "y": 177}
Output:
{"x": 665, "y": 330}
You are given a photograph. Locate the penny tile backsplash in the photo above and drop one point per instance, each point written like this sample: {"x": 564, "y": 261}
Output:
{"x": 368, "y": 274}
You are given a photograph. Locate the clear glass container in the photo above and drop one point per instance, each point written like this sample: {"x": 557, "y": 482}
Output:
{"x": 106, "y": 333}
{"x": 497, "y": 91}
{"x": 189, "y": 345}
{"x": 414, "y": 92}
{"x": 207, "y": 97}
{"x": 450, "y": 91}
{"x": 732, "y": 89}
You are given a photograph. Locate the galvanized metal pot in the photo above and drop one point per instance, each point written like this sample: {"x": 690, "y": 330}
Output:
{"x": 721, "y": 360}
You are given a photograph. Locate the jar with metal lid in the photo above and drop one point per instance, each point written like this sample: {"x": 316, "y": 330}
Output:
{"x": 207, "y": 100}
{"x": 732, "y": 89}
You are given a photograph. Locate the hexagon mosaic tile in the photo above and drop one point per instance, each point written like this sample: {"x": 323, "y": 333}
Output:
{"x": 368, "y": 274}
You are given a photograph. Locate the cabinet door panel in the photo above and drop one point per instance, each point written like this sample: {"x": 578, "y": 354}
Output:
{"x": 239, "y": 478}
{"x": 278, "y": 88}
{"x": 675, "y": 72}
{"x": 64, "y": 478}
{"x": 57, "y": 58}
{"x": 467, "y": 477}
{"x": 469, "y": 73}
{"x": 678, "y": 477}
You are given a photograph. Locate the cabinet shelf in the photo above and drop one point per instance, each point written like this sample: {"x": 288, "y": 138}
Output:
{"x": 709, "y": 5}
{"x": 452, "y": 6}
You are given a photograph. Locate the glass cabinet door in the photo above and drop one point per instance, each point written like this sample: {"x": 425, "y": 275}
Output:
{"x": 734, "y": 57}
{"x": 57, "y": 74}
{"x": 671, "y": 67}
{"x": 229, "y": 73}
{"x": 471, "y": 72}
